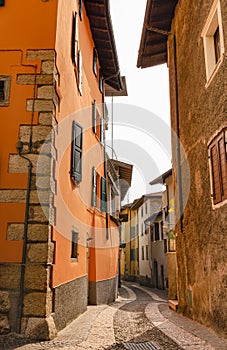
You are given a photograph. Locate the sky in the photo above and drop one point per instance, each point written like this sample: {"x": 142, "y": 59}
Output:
{"x": 148, "y": 90}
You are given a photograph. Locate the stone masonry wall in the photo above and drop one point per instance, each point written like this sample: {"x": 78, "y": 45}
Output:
{"x": 34, "y": 295}
{"x": 201, "y": 244}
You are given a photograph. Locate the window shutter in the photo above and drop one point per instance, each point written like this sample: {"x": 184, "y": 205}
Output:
{"x": 80, "y": 8}
{"x": 95, "y": 62}
{"x": 94, "y": 117}
{"x": 2, "y": 2}
{"x": 100, "y": 81}
{"x": 94, "y": 199}
{"x": 74, "y": 38}
{"x": 214, "y": 154}
{"x": 102, "y": 131}
{"x": 80, "y": 72}
{"x": 103, "y": 195}
{"x": 223, "y": 165}
{"x": 76, "y": 152}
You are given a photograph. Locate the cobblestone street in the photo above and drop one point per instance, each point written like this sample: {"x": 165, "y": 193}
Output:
{"x": 139, "y": 319}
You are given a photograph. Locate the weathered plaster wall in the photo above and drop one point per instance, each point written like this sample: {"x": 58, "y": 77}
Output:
{"x": 201, "y": 245}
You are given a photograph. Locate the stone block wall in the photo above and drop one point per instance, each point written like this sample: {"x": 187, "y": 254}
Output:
{"x": 26, "y": 297}
{"x": 201, "y": 239}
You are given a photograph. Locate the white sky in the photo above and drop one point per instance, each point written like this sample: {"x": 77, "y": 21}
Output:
{"x": 147, "y": 88}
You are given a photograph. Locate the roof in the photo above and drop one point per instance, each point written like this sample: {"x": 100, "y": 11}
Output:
{"x": 156, "y": 27}
{"x": 153, "y": 217}
{"x": 98, "y": 13}
{"x": 125, "y": 174}
{"x": 138, "y": 202}
{"x": 161, "y": 179}
{"x": 109, "y": 91}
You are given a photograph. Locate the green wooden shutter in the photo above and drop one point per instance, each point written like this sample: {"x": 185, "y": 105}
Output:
{"x": 76, "y": 152}
{"x": 94, "y": 117}
{"x": 94, "y": 199}
{"x": 103, "y": 195}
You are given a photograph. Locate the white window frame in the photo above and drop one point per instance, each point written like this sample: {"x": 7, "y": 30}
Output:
{"x": 213, "y": 22}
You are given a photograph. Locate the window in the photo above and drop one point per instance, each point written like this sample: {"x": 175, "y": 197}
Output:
{"x": 4, "y": 90}
{"x": 162, "y": 230}
{"x": 95, "y": 56}
{"x": 80, "y": 8}
{"x": 142, "y": 229}
{"x": 152, "y": 233}
{"x": 218, "y": 166}
{"x": 99, "y": 194}
{"x": 2, "y": 2}
{"x": 145, "y": 208}
{"x": 142, "y": 212}
{"x": 97, "y": 123}
{"x": 76, "y": 152}
{"x": 142, "y": 253}
{"x": 80, "y": 72}
{"x": 213, "y": 40}
{"x": 133, "y": 254}
{"x": 74, "y": 245}
{"x": 75, "y": 39}
{"x": 156, "y": 231}
{"x": 147, "y": 229}
{"x": 147, "y": 255}
{"x": 132, "y": 232}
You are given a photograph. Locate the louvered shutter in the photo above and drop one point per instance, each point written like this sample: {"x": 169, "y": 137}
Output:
{"x": 103, "y": 195}
{"x": 223, "y": 165}
{"x": 102, "y": 131}
{"x": 75, "y": 38}
{"x": 94, "y": 199}
{"x": 76, "y": 152}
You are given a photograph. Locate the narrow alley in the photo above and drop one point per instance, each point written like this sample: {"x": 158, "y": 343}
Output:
{"x": 139, "y": 319}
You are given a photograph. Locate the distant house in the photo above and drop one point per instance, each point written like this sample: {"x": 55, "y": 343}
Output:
{"x": 191, "y": 37}
{"x": 129, "y": 236}
{"x": 59, "y": 232}
{"x": 148, "y": 207}
{"x": 169, "y": 234}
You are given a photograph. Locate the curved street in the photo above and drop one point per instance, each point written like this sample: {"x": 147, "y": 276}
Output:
{"x": 139, "y": 319}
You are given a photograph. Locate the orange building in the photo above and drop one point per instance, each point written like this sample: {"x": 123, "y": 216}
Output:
{"x": 59, "y": 245}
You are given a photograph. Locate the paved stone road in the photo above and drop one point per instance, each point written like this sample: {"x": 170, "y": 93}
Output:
{"x": 139, "y": 316}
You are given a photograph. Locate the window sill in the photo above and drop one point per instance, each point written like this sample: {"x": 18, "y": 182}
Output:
{"x": 74, "y": 260}
{"x": 216, "y": 68}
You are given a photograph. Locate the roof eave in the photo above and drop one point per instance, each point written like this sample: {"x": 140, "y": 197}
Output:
{"x": 156, "y": 28}
{"x": 99, "y": 12}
